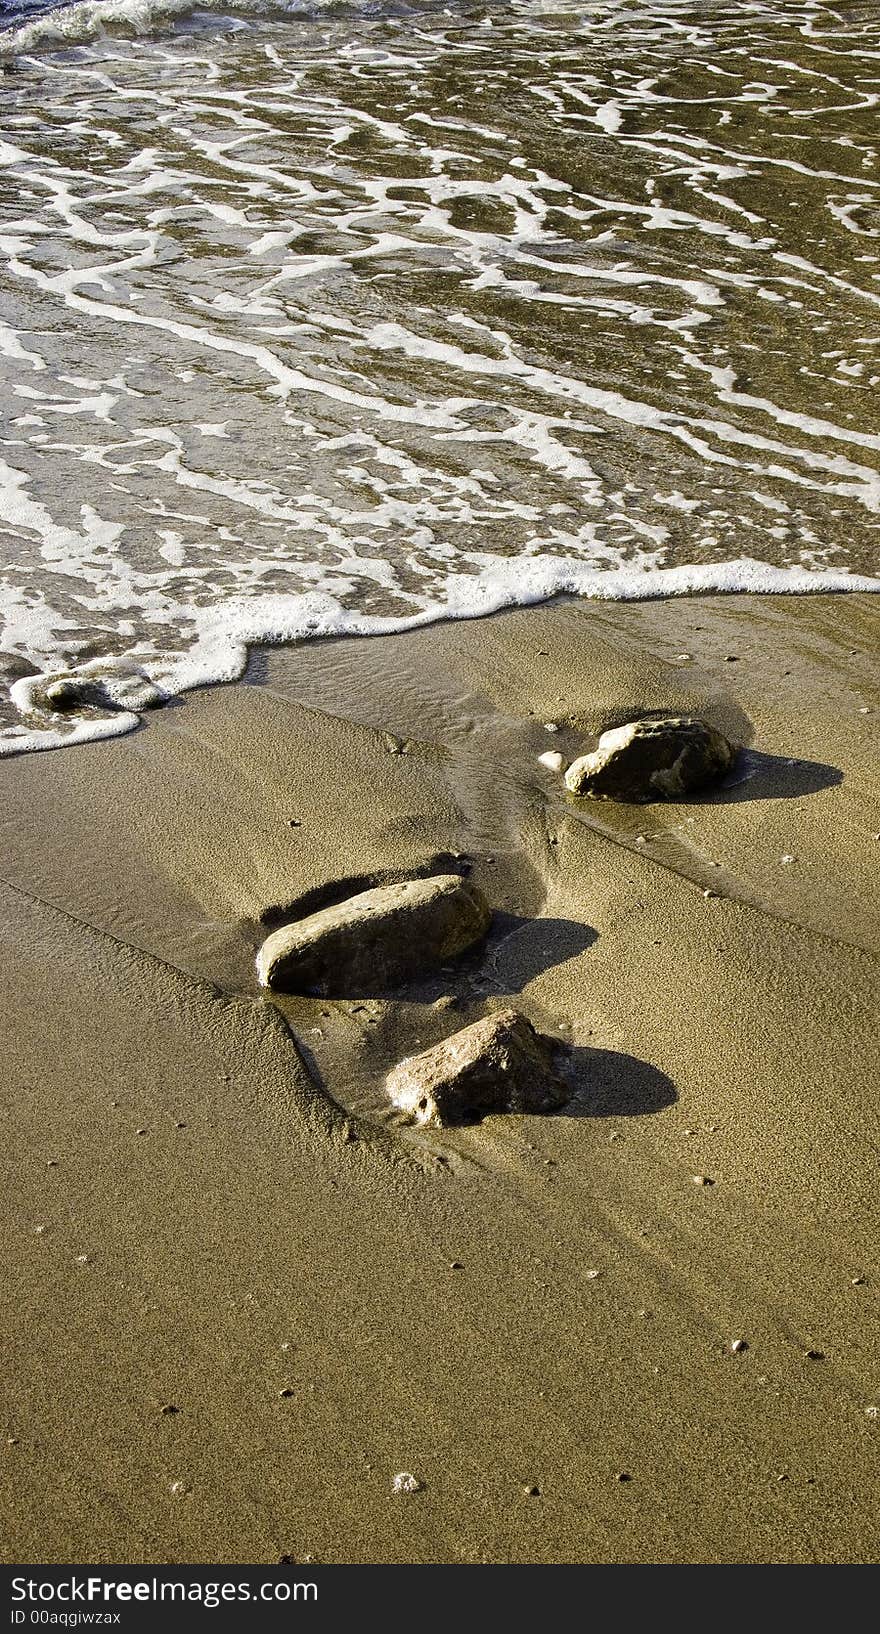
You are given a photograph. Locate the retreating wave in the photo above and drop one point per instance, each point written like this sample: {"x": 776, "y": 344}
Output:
{"x": 322, "y": 318}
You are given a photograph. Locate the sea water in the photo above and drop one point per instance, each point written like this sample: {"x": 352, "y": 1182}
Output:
{"x": 325, "y": 318}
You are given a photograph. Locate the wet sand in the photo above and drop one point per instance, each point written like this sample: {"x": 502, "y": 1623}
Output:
{"x": 211, "y": 1210}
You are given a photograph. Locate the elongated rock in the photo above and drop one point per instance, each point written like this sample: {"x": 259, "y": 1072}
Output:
{"x": 376, "y": 940}
{"x": 663, "y": 759}
{"x": 499, "y": 1064}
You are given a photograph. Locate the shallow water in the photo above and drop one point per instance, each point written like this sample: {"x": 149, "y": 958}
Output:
{"x": 316, "y": 318}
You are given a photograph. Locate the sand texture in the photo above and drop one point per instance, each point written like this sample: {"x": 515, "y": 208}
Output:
{"x": 240, "y": 1295}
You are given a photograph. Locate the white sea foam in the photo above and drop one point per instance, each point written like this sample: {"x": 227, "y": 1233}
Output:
{"x": 86, "y": 20}
{"x": 297, "y": 344}
{"x": 75, "y": 24}
{"x": 222, "y": 640}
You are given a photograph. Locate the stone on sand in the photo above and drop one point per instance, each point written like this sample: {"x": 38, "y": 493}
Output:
{"x": 660, "y": 759}
{"x": 376, "y": 940}
{"x": 498, "y": 1064}
{"x": 111, "y": 684}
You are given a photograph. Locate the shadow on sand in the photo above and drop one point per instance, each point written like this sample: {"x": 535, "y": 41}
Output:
{"x": 612, "y": 1084}
{"x": 757, "y": 776}
{"x": 520, "y": 948}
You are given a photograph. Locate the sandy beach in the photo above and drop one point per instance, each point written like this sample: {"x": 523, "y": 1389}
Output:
{"x": 240, "y": 1296}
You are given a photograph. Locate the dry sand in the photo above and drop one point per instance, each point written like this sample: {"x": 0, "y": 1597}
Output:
{"x": 202, "y": 1219}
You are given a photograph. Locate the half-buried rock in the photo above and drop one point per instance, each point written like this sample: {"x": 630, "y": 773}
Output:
{"x": 376, "y": 940}
{"x": 499, "y": 1064}
{"x": 660, "y": 759}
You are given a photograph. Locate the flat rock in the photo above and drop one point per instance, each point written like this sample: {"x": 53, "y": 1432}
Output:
{"x": 660, "y": 759}
{"x": 499, "y": 1064}
{"x": 376, "y": 940}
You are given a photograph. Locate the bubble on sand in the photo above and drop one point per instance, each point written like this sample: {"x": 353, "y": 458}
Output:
{"x": 405, "y": 1483}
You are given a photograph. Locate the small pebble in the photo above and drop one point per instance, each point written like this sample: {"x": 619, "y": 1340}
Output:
{"x": 83, "y": 1259}
{"x": 550, "y": 726}
{"x": 52, "y": 1163}
{"x": 40, "y": 1230}
{"x": 641, "y": 839}
{"x": 294, "y": 822}
{"x": 140, "y": 1131}
{"x": 287, "y": 1392}
{"x": 731, "y": 658}
{"x": 179, "y": 1489}
{"x": 814, "y": 1355}
{"x": 532, "y": 1491}
{"x": 552, "y": 759}
{"x": 788, "y": 858}
{"x": 702, "y": 1180}
{"x": 710, "y": 893}
{"x": 738, "y": 1346}
{"x": 857, "y": 1282}
{"x": 456, "y": 1265}
{"x": 592, "y": 1275}
{"x": 169, "y": 1409}
{"x": 405, "y": 1482}
{"x": 624, "y": 1476}
{"x": 872, "y": 1412}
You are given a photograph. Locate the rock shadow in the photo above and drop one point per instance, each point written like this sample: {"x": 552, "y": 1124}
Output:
{"x": 612, "y": 1084}
{"x": 758, "y": 776}
{"x": 520, "y": 948}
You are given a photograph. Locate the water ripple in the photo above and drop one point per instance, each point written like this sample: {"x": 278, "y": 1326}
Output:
{"x": 345, "y": 317}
